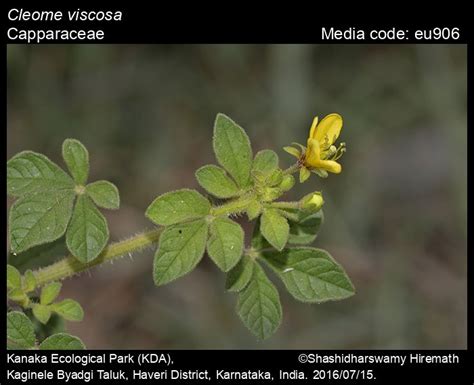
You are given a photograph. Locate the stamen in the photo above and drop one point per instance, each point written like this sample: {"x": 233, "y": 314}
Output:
{"x": 340, "y": 151}
{"x": 329, "y": 153}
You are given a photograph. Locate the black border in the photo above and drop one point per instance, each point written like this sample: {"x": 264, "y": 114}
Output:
{"x": 249, "y": 25}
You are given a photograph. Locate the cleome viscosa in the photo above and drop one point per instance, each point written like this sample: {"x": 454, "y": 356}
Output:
{"x": 21, "y": 14}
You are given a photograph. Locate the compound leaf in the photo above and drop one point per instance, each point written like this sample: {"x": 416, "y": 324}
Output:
{"x": 232, "y": 148}
{"x": 30, "y": 172}
{"x": 104, "y": 194}
{"x": 178, "y": 206}
{"x": 310, "y": 274}
{"x": 226, "y": 243}
{"x": 215, "y": 181}
{"x": 259, "y": 305}
{"x": 76, "y": 157}
{"x": 39, "y": 218}
{"x": 180, "y": 250}
{"x": 88, "y": 233}
{"x": 62, "y": 341}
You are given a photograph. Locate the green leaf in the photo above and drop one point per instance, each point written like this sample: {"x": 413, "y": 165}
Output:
{"x": 254, "y": 209}
{"x": 29, "y": 281}
{"x": 39, "y": 218}
{"x": 269, "y": 194}
{"x": 258, "y": 177}
{"x": 178, "y": 206}
{"x": 226, "y": 243}
{"x": 62, "y": 341}
{"x": 41, "y": 312}
{"x": 265, "y": 161}
{"x": 18, "y": 295}
{"x": 76, "y": 157}
{"x": 180, "y": 250}
{"x": 259, "y": 305}
{"x": 258, "y": 241}
{"x": 68, "y": 309}
{"x": 13, "y": 346}
{"x": 232, "y": 148}
{"x": 13, "y": 278}
{"x": 50, "y": 292}
{"x": 215, "y": 180}
{"x": 305, "y": 230}
{"x": 41, "y": 255}
{"x": 20, "y": 330}
{"x": 53, "y": 326}
{"x": 88, "y": 233}
{"x": 310, "y": 275}
{"x": 30, "y": 172}
{"x": 104, "y": 194}
{"x": 238, "y": 278}
{"x": 274, "y": 228}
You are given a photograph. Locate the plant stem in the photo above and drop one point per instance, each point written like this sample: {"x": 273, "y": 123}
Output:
{"x": 70, "y": 266}
{"x": 284, "y": 205}
{"x": 292, "y": 169}
{"x": 233, "y": 207}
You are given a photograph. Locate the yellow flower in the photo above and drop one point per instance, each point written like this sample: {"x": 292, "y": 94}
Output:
{"x": 320, "y": 155}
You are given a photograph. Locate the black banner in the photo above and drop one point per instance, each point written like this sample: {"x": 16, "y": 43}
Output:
{"x": 192, "y": 24}
{"x": 251, "y": 366}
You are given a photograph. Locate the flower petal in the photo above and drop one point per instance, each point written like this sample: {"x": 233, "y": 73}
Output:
{"x": 330, "y": 126}
{"x": 292, "y": 151}
{"x": 312, "y": 155}
{"x": 313, "y": 160}
{"x": 331, "y": 166}
{"x": 313, "y": 127}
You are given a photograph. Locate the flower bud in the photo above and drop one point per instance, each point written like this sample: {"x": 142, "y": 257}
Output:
{"x": 312, "y": 202}
{"x": 287, "y": 183}
{"x": 271, "y": 193}
{"x": 275, "y": 177}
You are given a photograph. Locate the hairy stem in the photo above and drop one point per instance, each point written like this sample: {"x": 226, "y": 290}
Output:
{"x": 70, "y": 266}
{"x": 284, "y": 205}
{"x": 292, "y": 169}
{"x": 233, "y": 207}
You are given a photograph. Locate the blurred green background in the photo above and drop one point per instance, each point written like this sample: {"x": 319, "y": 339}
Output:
{"x": 395, "y": 218}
